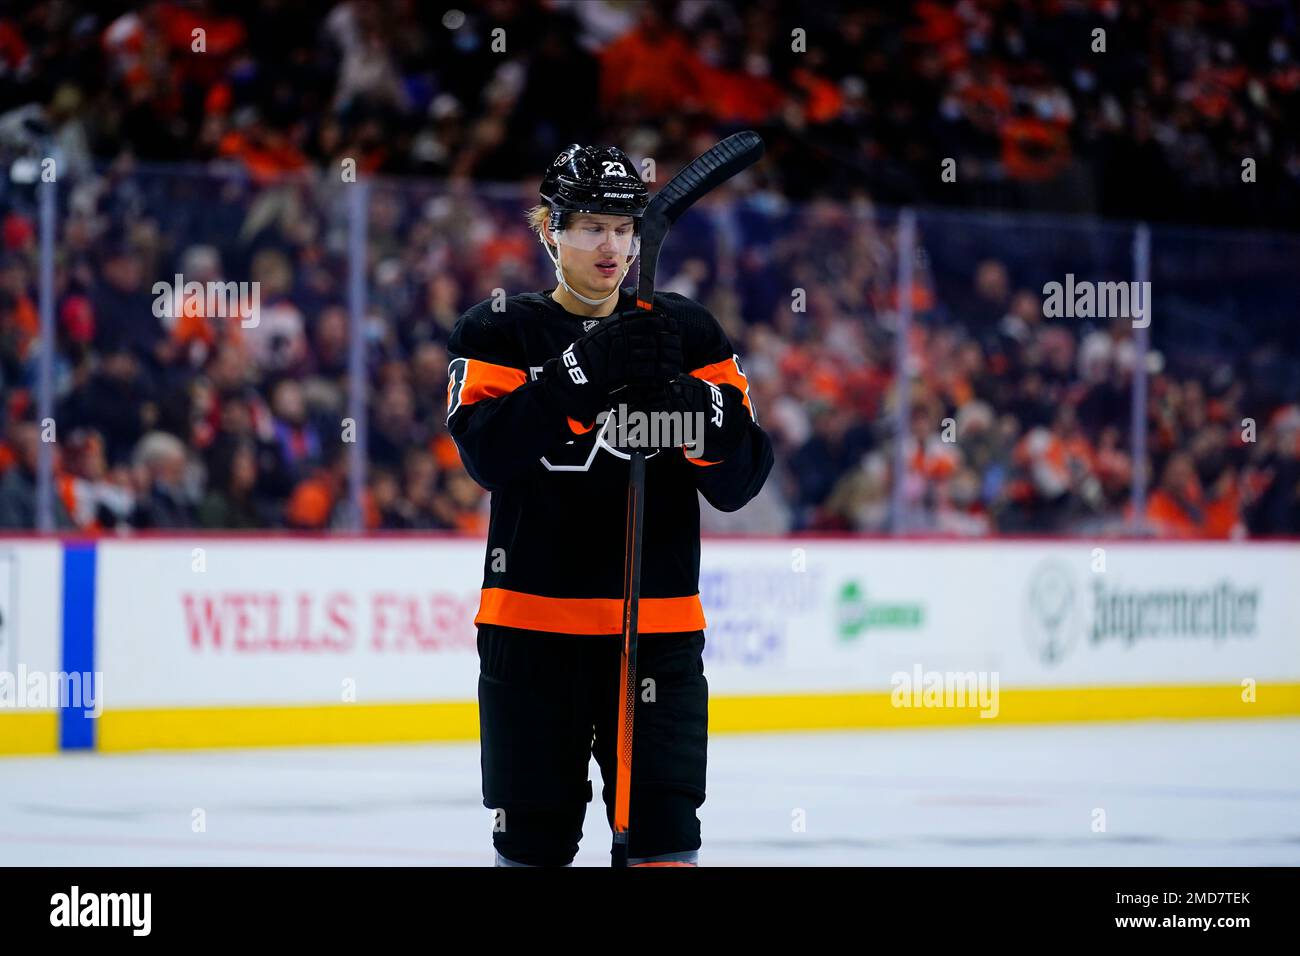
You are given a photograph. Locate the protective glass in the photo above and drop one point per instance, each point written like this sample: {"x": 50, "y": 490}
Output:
{"x": 618, "y": 238}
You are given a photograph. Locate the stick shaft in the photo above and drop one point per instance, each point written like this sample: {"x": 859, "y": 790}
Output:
{"x": 627, "y": 657}
{"x": 705, "y": 172}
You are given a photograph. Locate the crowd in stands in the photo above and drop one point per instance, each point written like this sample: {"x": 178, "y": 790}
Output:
{"x": 1129, "y": 108}
{"x": 1016, "y": 423}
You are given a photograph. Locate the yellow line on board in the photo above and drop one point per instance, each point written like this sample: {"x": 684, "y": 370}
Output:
{"x": 1015, "y": 706}
{"x": 29, "y": 733}
{"x": 286, "y": 726}
{"x": 458, "y": 720}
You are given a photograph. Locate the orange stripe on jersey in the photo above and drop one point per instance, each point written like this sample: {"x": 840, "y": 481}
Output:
{"x": 472, "y": 380}
{"x": 485, "y": 380}
{"x": 727, "y": 372}
{"x": 578, "y": 428}
{"x": 533, "y": 612}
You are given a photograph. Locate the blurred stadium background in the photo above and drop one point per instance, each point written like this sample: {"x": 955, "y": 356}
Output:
{"x": 225, "y": 165}
{"x": 949, "y": 457}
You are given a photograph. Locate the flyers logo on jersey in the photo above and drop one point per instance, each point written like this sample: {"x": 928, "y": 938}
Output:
{"x": 581, "y": 453}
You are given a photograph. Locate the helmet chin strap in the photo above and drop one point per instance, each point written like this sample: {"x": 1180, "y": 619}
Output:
{"x": 559, "y": 274}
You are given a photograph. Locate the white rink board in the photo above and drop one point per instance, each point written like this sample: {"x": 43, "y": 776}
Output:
{"x": 289, "y": 622}
{"x": 992, "y": 607}
{"x": 31, "y": 606}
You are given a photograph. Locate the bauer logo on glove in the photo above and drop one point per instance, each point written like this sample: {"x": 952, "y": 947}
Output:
{"x": 721, "y": 409}
{"x": 575, "y": 370}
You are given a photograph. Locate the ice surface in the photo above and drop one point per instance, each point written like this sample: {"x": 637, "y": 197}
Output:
{"x": 1173, "y": 793}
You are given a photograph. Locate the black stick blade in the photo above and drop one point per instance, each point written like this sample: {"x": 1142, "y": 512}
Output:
{"x": 706, "y": 172}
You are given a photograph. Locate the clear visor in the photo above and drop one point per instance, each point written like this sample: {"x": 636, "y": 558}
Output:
{"x": 614, "y": 237}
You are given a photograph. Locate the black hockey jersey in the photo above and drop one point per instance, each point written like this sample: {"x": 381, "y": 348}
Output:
{"x": 555, "y": 548}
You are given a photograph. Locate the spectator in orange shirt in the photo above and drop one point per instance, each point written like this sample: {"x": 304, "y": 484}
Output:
{"x": 651, "y": 70}
{"x": 466, "y": 500}
{"x": 1176, "y": 508}
{"x": 19, "y": 322}
{"x": 312, "y": 503}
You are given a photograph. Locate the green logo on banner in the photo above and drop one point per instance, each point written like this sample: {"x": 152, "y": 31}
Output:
{"x": 857, "y": 614}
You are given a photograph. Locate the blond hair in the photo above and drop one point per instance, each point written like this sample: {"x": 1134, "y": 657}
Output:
{"x": 538, "y": 216}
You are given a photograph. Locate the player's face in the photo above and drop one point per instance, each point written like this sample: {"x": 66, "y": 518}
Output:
{"x": 596, "y": 250}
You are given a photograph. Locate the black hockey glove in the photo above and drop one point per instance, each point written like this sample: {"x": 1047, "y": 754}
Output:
{"x": 654, "y": 354}
{"x": 718, "y": 417}
{"x": 638, "y": 347}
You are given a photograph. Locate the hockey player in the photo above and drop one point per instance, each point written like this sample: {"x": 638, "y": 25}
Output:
{"x": 529, "y": 381}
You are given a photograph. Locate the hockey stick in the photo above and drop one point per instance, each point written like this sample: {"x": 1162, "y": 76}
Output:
{"x": 709, "y": 170}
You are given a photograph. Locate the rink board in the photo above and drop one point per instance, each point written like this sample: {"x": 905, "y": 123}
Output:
{"x": 230, "y": 642}
{"x": 31, "y": 599}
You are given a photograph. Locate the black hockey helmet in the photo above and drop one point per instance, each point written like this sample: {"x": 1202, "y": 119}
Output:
{"x": 596, "y": 179}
